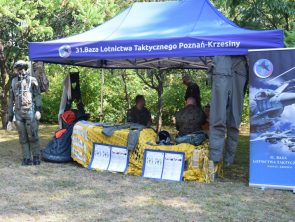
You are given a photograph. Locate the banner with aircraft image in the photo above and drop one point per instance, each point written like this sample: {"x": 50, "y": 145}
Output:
{"x": 272, "y": 118}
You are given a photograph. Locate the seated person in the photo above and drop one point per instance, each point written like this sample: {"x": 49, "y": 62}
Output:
{"x": 189, "y": 121}
{"x": 138, "y": 113}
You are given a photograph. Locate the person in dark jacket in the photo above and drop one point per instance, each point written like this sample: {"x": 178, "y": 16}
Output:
{"x": 139, "y": 113}
{"x": 192, "y": 90}
{"x": 189, "y": 121}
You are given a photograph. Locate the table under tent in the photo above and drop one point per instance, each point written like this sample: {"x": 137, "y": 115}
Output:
{"x": 154, "y": 35}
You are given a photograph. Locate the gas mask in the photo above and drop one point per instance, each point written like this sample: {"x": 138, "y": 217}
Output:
{"x": 21, "y": 68}
{"x": 22, "y": 73}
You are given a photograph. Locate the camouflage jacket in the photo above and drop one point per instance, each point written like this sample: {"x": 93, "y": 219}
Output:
{"x": 189, "y": 120}
{"x": 24, "y": 96}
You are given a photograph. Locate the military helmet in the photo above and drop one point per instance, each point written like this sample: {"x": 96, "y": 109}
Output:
{"x": 21, "y": 64}
{"x": 163, "y": 138}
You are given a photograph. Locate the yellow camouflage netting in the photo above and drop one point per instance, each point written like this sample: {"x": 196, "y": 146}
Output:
{"x": 86, "y": 133}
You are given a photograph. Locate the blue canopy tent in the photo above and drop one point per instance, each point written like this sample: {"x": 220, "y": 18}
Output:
{"x": 156, "y": 35}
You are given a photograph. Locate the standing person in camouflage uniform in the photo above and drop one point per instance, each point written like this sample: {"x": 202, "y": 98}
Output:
{"x": 189, "y": 121}
{"x": 229, "y": 76}
{"x": 25, "y": 100}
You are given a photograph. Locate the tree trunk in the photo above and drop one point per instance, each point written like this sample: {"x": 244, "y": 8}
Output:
{"x": 155, "y": 80}
{"x": 127, "y": 97}
{"x": 4, "y": 91}
{"x": 160, "y": 90}
{"x": 102, "y": 97}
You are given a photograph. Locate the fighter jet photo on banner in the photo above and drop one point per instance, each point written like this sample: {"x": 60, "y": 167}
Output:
{"x": 272, "y": 118}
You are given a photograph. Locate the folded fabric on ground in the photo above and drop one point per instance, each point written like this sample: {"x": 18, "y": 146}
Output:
{"x": 59, "y": 147}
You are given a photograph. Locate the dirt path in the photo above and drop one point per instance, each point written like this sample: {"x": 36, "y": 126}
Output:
{"x": 67, "y": 192}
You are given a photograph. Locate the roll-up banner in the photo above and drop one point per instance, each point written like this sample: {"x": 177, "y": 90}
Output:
{"x": 272, "y": 118}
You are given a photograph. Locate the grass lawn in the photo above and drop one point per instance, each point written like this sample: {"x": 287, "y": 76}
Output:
{"x": 68, "y": 192}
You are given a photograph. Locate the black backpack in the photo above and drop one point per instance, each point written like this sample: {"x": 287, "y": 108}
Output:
{"x": 39, "y": 74}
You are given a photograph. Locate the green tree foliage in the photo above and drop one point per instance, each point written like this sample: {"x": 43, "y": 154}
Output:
{"x": 19, "y": 23}
{"x": 266, "y": 14}
{"x": 22, "y": 21}
{"x": 290, "y": 37}
{"x": 262, "y": 14}
{"x": 51, "y": 100}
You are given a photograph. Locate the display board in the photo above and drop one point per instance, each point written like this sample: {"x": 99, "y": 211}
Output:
{"x": 109, "y": 157}
{"x": 272, "y": 118}
{"x": 163, "y": 165}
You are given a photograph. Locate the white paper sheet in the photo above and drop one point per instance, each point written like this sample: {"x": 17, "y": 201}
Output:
{"x": 101, "y": 157}
{"x": 153, "y": 164}
{"x": 119, "y": 159}
{"x": 172, "y": 166}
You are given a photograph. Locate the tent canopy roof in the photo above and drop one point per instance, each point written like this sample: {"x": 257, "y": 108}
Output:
{"x": 156, "y": 35}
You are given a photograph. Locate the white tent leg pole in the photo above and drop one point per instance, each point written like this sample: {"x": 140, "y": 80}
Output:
{"x": 101, "y": 95}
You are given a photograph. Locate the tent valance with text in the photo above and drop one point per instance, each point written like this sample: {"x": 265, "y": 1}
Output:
{"x": 145, "y": 31}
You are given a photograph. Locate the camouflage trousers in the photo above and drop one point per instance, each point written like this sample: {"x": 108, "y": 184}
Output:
{"x": 27, "y": 127}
